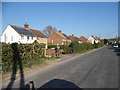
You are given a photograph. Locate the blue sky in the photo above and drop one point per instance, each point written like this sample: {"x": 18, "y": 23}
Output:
{"x": 78, "y": 18}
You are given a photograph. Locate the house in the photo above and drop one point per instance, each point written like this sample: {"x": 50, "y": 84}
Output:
{"x": 68, "y": 40}
{"x": 93, "y": 40}
{"x": 74, "y": 38}
{"x": 58, "y": 38}
{"x": 17, "y": 34}
{"x": 83, "y": 39}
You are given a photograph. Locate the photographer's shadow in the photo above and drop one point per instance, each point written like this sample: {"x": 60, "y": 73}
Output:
{"x": 56, "y": 83}
{"x": 16, "y": 62}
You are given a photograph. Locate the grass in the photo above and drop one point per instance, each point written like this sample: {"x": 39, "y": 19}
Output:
{"x": 40, "y": 61}
{"x": 84, "y": 51}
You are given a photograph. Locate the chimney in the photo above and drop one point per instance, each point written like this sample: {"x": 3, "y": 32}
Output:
{"x": 72, "y": 34}
{"x": 60, "y": 31}
{"x": 26, "y": 26}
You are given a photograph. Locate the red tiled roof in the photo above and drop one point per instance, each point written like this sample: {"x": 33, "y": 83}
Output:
{"x": 96, "y": 38}
{"x": 74, "y": 38}
{"x": 83, "y": 39}
{"x": 60, "y": 34}
{"x": 33, "y": 31}
{"x": 66, "y": 36}
{"x": 37, "y": 33}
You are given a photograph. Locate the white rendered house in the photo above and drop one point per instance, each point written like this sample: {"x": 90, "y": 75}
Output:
{"x": 93, "y": 40}
{"x": 17, "y": 34}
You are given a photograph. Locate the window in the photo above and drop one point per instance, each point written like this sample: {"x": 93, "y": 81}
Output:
{"x": 28, "y": 37}
{"x": 52, "y": 40}
{"x": 38, "y": 38}
{"x": 22, "y": 37}
{"x": 32, "y": 38}
{"x": 63, "y": 39}
{"x": 11, "y": 38}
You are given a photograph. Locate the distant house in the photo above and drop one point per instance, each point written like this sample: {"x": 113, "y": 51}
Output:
{"x": 58, "y": 38}
{"x": 68, "y": 40}
{"x": 74, "y": 38}
{"x": 83, "y": 39}
{"x": 93, "y": 40}
{"x": 17, "y": 34}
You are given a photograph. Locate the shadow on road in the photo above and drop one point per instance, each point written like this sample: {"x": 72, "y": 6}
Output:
{"x": 16, "y": 62}
{"x": 55, "y": 83}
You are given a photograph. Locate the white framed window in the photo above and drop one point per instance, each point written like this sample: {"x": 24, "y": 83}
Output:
{"x": 63, "y": 39}
{"x": 22, "y": 37}
{"x": 28, "y": 37}
{"x": 32, "y": 37}
{"x": 52, "y": 41}
{"x": 11, "y": 38}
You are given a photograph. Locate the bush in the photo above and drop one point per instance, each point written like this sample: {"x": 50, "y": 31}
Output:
{"x": 65, "y": 49}
{"x": 26, "y": 54}
{"x": 77, "y": 47}
{"x": 52, "y": 46}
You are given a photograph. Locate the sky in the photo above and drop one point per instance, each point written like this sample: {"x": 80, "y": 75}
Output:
{"x": 78, "y": 18}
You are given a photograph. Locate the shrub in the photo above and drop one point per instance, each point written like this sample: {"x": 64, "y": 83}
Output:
{"x": 65, "y": 49}
{"x": 27, "y": 54}
{"x": 77, "y": 47}
{"x": 52, "y": 46}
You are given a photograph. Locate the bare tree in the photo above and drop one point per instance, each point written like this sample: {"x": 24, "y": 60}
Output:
{"x": 48, "y": 30}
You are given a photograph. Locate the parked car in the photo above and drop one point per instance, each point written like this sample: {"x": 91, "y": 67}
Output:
{"x": 115, "y": 45}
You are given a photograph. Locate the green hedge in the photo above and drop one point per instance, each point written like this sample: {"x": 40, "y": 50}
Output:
{"x": 27, "y": 54}
{"x": 76, "y": 47}
{"x": 32, "y": 54}
{"x": 66, "y": 49}
{"x": 52, "y": 46}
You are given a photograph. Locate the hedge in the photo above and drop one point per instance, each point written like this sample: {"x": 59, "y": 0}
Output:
{"x": 31, "y": 54}
{"x": 77, "y": 47}
{"x": 27, "y": 54}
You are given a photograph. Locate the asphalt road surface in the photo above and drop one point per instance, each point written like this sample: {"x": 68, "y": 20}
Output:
{"x": 97, "y": 69}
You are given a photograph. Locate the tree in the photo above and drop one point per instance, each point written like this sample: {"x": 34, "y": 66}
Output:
{"x": 48, "y": 30}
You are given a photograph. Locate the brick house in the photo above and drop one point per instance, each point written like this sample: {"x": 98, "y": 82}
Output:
{"x": 58, "y": 38}
{"x": 68, "y": 40}
{"x": 83, "y": 39}
{"x": 74, "y": 38}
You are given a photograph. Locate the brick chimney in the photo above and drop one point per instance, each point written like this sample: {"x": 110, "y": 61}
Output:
{"x": 72, "y": 34}
{"x": 26, "y": 26}
{"x": 60, "y": 31}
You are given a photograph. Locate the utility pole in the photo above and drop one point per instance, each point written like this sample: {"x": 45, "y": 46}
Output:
{"x": 116, "y": 39}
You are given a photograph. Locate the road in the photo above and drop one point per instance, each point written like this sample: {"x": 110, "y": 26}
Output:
{"x": 97, "y": 69}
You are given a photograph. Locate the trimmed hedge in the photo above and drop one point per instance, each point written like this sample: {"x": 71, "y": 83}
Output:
{"x": 52, "y": 46}
{"x": 76, "y": 47}
{"x": 66, "y": 49}
{"x": 27, "y": 54}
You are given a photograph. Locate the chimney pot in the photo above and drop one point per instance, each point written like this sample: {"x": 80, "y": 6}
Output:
{"x": 60, "y": 31}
